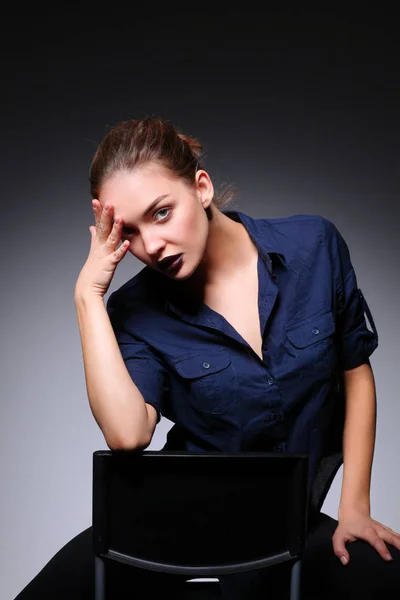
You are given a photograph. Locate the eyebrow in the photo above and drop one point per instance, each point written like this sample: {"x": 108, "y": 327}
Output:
{"x": 152, "y": 205}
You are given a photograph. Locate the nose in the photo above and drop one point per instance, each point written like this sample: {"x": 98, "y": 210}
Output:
{"x": 152, "y": 243}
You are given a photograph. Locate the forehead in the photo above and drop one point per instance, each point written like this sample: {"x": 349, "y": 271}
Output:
{"x": 137, "y": 189}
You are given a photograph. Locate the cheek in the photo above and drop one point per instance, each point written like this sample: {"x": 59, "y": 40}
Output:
{"x": 136, "y": 250}
{"x": 194, "y": 226}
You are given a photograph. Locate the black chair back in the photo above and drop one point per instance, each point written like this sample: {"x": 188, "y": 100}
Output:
{"x": 199, "y": 514}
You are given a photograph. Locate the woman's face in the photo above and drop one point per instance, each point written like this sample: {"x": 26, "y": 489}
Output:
{"x": 164, "y": 218}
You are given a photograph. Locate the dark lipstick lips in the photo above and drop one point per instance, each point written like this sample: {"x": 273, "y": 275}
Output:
{"x": 166, "y": 262}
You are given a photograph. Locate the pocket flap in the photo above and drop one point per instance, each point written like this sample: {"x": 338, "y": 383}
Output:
{"x": 314, "y": 330}
{"x": 199, "y": 365}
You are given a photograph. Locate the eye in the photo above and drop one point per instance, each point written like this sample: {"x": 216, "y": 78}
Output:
{"x": 163, "y": 213}
{"x": 127, "y": 232}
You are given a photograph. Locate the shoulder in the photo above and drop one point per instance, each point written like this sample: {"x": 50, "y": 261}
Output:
{"x": 313, "y": 240}
{"x": 301, "y": 227}
{"x": 298, "y": 226}
{"x": 299, "y": 235}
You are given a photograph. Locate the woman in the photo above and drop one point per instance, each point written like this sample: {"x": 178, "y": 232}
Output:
{"x": 236, "y": 331}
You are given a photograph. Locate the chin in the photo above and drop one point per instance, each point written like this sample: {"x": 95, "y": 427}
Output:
{"x": 183, "y": 274}
{"x": 180, "y": 276}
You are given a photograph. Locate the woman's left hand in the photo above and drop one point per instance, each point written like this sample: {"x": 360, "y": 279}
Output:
{"x": 363, "y": 527}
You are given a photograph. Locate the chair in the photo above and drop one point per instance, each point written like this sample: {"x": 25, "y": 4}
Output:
{"x": 332, "y": 452}
{"x": 199, "y": 515}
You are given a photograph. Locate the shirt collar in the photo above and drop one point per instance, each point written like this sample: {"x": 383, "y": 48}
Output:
{"x": 264, "y": 237}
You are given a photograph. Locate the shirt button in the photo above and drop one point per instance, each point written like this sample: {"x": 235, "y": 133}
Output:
{"x": 280, "y": 447}
{"x": 315, "y": 331}
{"x": 270, "y": 381}
{"x": 206, "y": 365}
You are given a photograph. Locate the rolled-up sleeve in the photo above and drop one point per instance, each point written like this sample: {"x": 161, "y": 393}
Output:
{"x": 356, "y": 342}
{"x": 143, "y": 365}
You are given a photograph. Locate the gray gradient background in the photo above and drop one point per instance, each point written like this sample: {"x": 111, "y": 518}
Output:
{"x": 299, "y": 111}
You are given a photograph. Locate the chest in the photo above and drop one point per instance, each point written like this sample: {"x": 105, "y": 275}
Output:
{"x": 237, "y": 301}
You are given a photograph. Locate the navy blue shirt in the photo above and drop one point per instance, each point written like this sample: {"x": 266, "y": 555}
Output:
{"x": 196, "y": 369}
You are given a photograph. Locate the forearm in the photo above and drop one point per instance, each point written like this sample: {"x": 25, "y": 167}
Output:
{"x": 115, "y": 401}
{"x": 358, "y": 440}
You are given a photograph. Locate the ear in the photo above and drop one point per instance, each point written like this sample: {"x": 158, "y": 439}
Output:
{"x": 204, "y": 188}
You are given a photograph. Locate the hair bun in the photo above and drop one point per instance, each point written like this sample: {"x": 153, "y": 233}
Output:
{"x": 194, "y": 145}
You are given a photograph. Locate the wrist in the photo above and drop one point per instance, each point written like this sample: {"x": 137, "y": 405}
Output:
{"x": 84, "y": 296}
{"x": 354, "y": 508}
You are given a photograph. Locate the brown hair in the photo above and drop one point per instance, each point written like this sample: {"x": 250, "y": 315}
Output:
{"x": 133, "y": 143}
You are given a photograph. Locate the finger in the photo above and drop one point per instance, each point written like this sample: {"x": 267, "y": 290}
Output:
{"x": 372, "y": 537}
{"x": 391, "y": 530}
{"x": 105, "y": 222}
{"x": 115, "y": 236}
{"x": 120, "y": 252}
{"x": 96, "y": 210}
{"x": 339, "y": 548}
{"x": 92, "y": 230}
{"x": 390, "y": 538}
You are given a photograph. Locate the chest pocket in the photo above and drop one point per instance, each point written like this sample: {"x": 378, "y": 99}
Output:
{"x": 313, "y": 344}
{"x": 210, "y": 381}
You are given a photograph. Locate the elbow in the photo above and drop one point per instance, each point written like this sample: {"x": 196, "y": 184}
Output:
{"x": 127, "y": 444}
{"x": 120, "y": 437}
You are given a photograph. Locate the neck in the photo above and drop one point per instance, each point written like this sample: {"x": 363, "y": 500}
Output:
{"x": 229, "y": 251}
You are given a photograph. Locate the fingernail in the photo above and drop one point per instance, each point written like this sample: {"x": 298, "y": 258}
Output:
{"x": 389, "y": 557}
{"x": 343, "y": 560}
